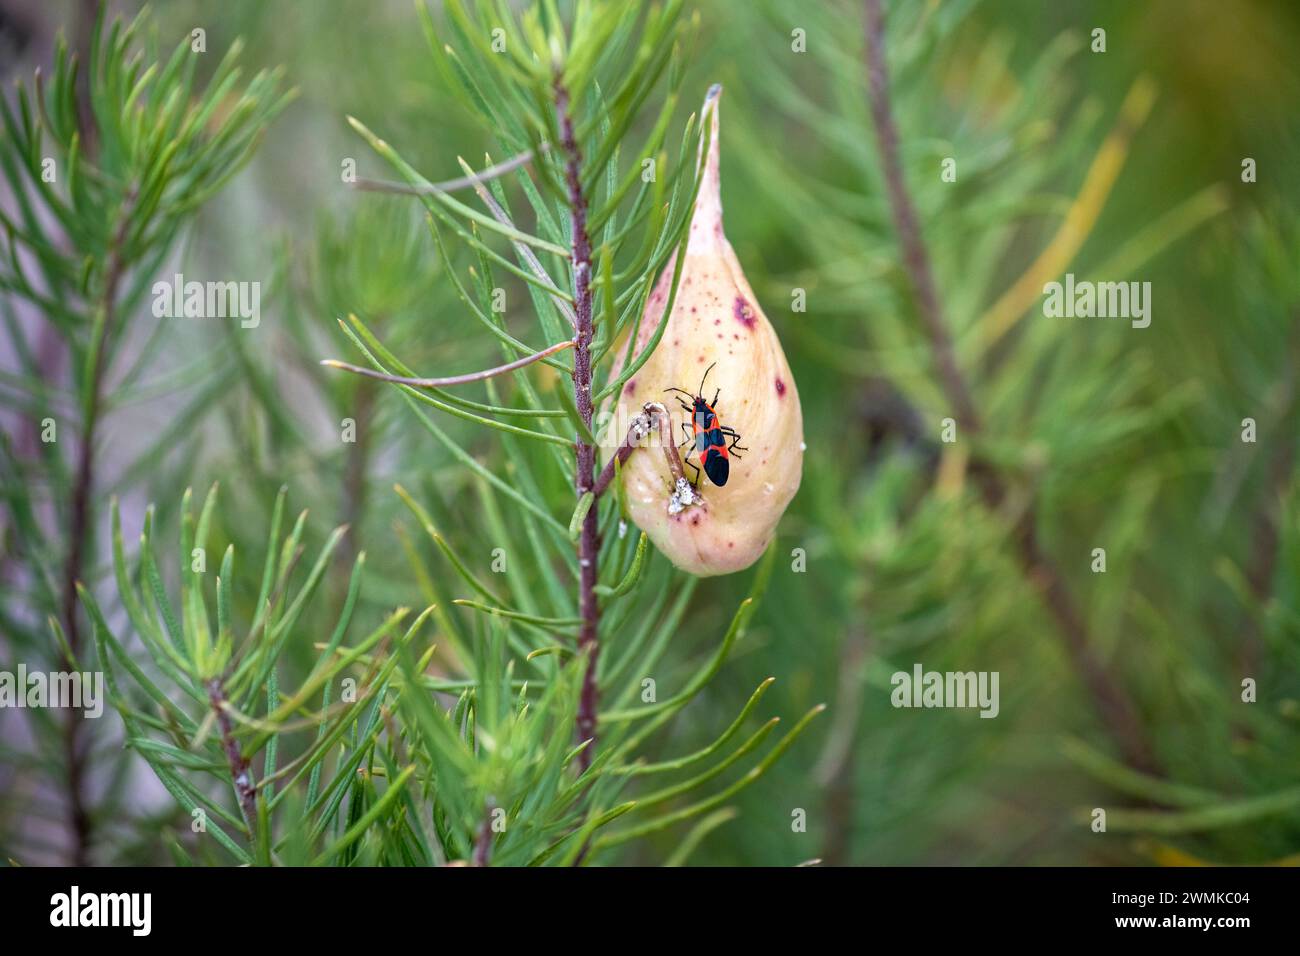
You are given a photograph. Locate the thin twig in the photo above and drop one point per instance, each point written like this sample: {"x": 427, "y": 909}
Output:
{"x": 915, "y": 258}
{"x": 589, "y": 538}
{"x": 1113, "y": 704}
{"x": 639, "y": 428}
{"x": 465, "y": 379}
{"x": 653, "y": 413}
{"x": 669, "y": 442}
{"x": 525, "y": 253}
{"x": 447, "y": 185}
{"x": 240, "y": 776}
{"x": 80, "y": 528}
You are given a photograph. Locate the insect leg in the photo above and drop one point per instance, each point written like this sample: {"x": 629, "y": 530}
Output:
{"x": 735, "y": 440}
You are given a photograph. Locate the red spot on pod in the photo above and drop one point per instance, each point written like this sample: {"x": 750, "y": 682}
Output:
{"x": 780, "y": 388}
{"x": 743, "y": 312}
{"x": 630, "y": 388}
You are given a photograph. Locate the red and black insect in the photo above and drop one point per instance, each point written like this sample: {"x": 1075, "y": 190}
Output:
{"x": 709, "y": 435}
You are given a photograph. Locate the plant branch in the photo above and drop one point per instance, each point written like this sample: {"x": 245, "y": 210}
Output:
{"x": 915, "y": 258}
{"x": 589, "y": 538}
{"x": 525, "y": 253}
{"x": 1113, "y": 704}
{"x": 653, "y": 413}
{"x": 483, "y": 844}
{"x": 80, "y": 524}
{"x": 238, "y": 763}
{"x": 465, "y": 379}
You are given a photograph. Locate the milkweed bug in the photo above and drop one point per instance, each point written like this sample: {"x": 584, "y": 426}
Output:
{"x": 709, "y": 435}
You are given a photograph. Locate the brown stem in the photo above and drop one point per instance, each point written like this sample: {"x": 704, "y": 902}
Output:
{"x": 1111, "y": 701}
{"x": 915, "y": 258}
{"x": 1113, "y": 704}
{"x": 79, "y": 531}
{"x": 589, "y": 538}
{"x": 653, "y": 413}
{"x": 483, "y": 844}
{"x": 617, "y": 460}
{"x": 235, "y": 759}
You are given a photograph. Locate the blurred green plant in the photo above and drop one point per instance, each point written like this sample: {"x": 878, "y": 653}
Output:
{"x": 103, "y": 186}
{"x": 980, "y": 551}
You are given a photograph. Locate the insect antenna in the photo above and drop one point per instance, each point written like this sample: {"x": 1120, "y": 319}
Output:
{"x": 705, "y": 379}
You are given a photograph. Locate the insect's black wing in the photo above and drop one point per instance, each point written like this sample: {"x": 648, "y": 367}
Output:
{"x": 716, "y": 467}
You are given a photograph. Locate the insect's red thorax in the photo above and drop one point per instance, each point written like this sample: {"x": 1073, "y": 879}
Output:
{"x": 703, "y": 417}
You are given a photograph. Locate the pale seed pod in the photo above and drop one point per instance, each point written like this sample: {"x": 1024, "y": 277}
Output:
{"x": 715, "y": 322}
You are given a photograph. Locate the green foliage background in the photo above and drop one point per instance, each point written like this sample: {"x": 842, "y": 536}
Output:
{"x": 1113, "y": 437}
